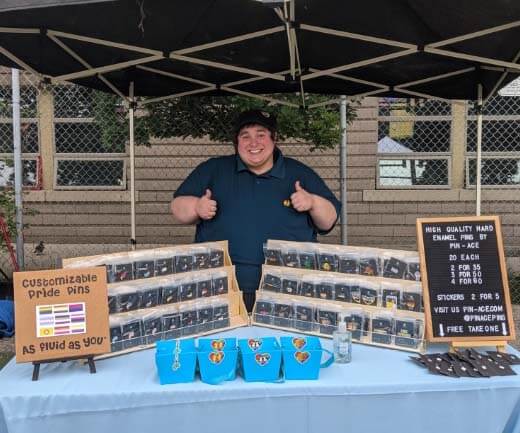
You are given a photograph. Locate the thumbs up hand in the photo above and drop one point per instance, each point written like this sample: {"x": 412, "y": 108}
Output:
{"x": 206, "y": 208}
{"x": 301, "y": 200}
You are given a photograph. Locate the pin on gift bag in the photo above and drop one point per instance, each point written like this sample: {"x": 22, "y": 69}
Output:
{"x": 260, "y": 359}
{"x": 217, "y": 359}
{"x": 302, "y": 358}
{"x": 176, "y": 360}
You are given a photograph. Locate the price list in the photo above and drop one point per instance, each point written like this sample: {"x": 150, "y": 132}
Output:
{"x": 464, "y": 276}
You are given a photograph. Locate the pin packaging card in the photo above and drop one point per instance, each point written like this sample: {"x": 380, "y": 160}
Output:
{"x": 273, "y": 257}
{"x": 170, "y": 294}
{"x": 188, "y": 291}
{"x": 342, "y": 292}
{"x": 164, "y": 267}
{"x": 368, "y": 296}
{"x": 406, "y": 333}
{"x": 307, "y": 289}
{"x": 394, "y": 268}
{"x": 290, "y": 259}
{"x": 355, "y": 324}
{"x": 324, "y": 290}
{"x": 307, "y": 260}
{"x": 201, "y": 261}
{"x": 221, "y": 316}
{"x": 327, "y": 262}
{"x": 171, "y": 325}
{"x": 128, "y": 301}
{"x": 216, "y": 258}
{"x": 116, "y": 338}
{"x": 264, "y": 312}
{"x": 144, "y": 269}
{"x": 204, "y": 288}
{"x": 391, "y": 298}
{"x": 369, "y": 266}
{"x": 122, "y": 272}
{"x": 304, "y": 316}
{"x": 220, "y": 285}
{"x": 411, "y": 301}
{"x": 413, "y": 272}
{"x": 205, "y": 319}
{"x": 152, "y": 329}
{"x": 382, "y": 330}
{"x": 132, "y": 333}
{"x": 272, "y": 283}
{"x": 328, "y": 321}
{"x": 283, "y": 314}
{"x": 290, "y": 285}
{"x": 149, "y": 298}
{"x": 183, "y": 263}
{"x": 189, "y": 321}
{"x": 348, "y": 265}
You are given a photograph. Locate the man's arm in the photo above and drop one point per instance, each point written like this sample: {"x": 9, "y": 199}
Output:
{"x": 321, "y": 210}
{"x": 188, "y": 209}
{"x": 183, "y": 209}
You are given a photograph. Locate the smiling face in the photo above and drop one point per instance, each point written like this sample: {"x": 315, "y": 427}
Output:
{"x": 255, "y": 147}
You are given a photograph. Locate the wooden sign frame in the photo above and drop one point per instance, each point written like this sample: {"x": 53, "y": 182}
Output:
{"x": 498, "y": 341}
{"x": 61, "y": 315}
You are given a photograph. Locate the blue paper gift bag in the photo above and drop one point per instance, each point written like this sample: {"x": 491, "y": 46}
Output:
{"x": 302, "y": 358}
{"x": 260, "y": 359}
{"x": 176, "y": 360}
{"x": 217, "y": 359}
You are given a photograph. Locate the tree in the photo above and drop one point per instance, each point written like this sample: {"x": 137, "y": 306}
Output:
{"x": 214, "y": 117}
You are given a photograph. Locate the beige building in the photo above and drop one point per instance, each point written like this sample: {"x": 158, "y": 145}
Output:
{"x": 405, "y": 160}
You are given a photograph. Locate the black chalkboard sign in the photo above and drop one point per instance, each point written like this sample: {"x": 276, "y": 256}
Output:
{"x": 466, "y": 293}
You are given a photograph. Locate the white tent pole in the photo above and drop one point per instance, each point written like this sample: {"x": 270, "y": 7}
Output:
{"x": 132, "y": 164}
{"x": 479, "y": 149}
{"x": 343, "y": 168}
{"x": 18, "y": 170}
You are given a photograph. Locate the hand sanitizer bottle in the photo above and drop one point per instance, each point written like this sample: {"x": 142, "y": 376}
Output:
{"x": 342, "y": 344}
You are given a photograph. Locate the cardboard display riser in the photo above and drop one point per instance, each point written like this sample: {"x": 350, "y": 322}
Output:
{"x": 365, "y": 339}
{"x": 335, "y": 304}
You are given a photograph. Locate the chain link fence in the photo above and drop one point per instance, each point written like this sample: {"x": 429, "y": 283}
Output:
{"x": 500, "y": 143}
{"x": 90, "y": 133}
{"x": 413, "y": 143}
{"x": 29, "y": 130}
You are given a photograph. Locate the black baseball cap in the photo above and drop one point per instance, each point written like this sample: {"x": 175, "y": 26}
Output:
{"x": 255, "y": 117}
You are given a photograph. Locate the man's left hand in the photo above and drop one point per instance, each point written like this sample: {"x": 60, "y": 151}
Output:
{"x": 301, "y": 200}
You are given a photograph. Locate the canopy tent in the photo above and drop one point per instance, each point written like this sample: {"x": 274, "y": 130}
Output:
{"x": 402, "y": 48}
{"x": 466, "y": 49}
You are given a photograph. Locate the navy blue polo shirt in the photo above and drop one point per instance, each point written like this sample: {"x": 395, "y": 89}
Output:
{"x": 250, "y": 208}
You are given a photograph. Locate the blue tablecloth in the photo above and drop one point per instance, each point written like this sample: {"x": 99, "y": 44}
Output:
{"x": 380, "y": 391}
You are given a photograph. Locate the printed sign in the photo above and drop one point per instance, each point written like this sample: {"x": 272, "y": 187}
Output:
{"x": 466, "y": 294}
{"x": 61, "y": 314}
{"x": 61, "y": 319}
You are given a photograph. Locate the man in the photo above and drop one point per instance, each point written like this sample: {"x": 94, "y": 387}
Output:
{"x": 254, "y": 195}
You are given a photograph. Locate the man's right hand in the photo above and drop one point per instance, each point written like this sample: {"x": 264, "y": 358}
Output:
{"x": 206, "y": 208}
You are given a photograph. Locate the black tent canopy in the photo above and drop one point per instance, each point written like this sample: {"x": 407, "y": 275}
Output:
{"x": 167, "y": 48}
{"x": 463, "y": 49}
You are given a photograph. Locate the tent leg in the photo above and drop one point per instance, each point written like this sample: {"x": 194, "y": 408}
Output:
{"x": 133, "y": 241}
{"x": 479, "y": 151}
{"x": 343, "y": 168}
{"x": 18, "y": 168}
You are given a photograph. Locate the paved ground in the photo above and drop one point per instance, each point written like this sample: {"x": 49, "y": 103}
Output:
{"x": 6, "y": 350}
